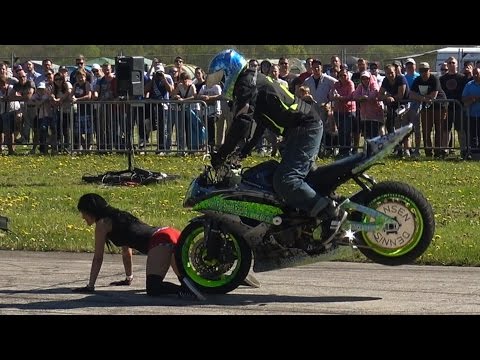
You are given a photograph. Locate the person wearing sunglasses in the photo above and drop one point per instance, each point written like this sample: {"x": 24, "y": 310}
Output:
{"x": 80, "y": 62}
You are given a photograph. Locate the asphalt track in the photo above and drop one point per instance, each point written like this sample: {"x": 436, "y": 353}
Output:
{"x": 41, "y": 283}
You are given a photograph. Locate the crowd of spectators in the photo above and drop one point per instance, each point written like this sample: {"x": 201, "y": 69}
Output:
{"x": 55, "y": 111}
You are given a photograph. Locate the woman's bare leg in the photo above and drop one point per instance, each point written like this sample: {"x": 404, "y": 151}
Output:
{"x": 159, "y": 260}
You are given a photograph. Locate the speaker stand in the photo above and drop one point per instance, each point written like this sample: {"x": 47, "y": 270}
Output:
{"x": 132, "y": 175}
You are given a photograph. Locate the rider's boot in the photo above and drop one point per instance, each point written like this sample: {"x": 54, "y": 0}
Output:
{"x": 334, "y": 217}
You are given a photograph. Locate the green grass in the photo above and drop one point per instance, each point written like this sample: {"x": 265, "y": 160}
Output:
{"x": 39, "y": 194}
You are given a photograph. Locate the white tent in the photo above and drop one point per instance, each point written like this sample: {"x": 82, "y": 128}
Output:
{"x": 147, "y": 62}
{"x": 437, "y": 57}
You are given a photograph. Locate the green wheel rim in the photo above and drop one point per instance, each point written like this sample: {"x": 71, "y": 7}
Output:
{"x": 411, "y": 226}
{"x": 193, "y": 265}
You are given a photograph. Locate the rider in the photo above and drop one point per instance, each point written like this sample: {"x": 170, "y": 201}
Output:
{"x": 257, "y": 98}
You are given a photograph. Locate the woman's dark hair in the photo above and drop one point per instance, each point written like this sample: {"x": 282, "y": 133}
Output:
{"x": 63, "y": 88}
{"x": 93, "y": 204}
{"x": 265, "y": 64}
{"x": 98, "y": 207}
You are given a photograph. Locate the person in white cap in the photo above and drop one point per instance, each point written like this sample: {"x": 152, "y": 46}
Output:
{"x": 43, "y": 120}
{"x": 153, "y": 67}
{"x": 97, "y": 74}
{"x": 410, "y": 71}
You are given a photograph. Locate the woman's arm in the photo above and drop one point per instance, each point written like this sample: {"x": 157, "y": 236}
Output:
{"x": 102, "y": 227}
{"x": 127, "y": 264}
{"x": 127, "y": 260}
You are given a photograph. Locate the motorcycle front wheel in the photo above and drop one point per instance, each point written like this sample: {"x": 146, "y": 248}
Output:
{"x": 408, "y": 239}
{"x": 212, "y": 276}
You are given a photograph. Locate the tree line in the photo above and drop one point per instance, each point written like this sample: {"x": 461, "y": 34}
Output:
{"x": 201, "y": 54}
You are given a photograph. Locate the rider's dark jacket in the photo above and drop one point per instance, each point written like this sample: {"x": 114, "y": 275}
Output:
{"x": 271, "y": 106}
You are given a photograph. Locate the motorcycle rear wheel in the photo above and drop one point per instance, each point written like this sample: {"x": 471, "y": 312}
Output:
{"x": 415, "y": 228}
{"x": 212, "y": 276}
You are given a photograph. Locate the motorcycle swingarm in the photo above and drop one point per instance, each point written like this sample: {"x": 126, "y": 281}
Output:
{"x": 381, "y": 221}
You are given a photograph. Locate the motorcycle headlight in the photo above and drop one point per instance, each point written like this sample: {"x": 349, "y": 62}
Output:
{"x": 193, "y": 190}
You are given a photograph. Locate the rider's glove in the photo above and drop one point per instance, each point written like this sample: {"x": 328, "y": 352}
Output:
{"x": 217, "y": 160}
{"x": 242, "y": 156}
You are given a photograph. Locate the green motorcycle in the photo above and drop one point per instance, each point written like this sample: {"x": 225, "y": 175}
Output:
{"x": 390, "y": 222}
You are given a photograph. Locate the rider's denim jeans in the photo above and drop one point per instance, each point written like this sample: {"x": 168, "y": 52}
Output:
{"x": 301, "y": 147}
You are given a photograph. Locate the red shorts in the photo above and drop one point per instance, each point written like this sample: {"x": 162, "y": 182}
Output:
{"x": 164, "y": 236}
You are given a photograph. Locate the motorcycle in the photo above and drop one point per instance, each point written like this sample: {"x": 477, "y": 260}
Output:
{"x": 390, "y": 222}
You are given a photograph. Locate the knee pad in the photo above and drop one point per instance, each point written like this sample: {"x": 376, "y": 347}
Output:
{"x": 154, "y": 284}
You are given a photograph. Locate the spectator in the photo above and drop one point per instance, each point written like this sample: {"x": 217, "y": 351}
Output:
{"x": 253, "y": 64}
{"x": 398, "y": 67}
{"x": 303, "y": 76}
{"x": 159, "y": 88}
{"x": 374, "y": 72}
{"x": 61, "y": 100}
{"x": 344, "y": 111}
{"x": 426, "y": 88}
{"x": 211, "y": 96}
{"x": 468, "y": 70}
{"x": 199, "y": 79}
{"x": 321, "y": 85}
{"x": 413, "y": 115}
{"x": 394, "y": 89}
{"x": 285, "y": 74}
{"x": 452, "y": 84}
{"x": 23, "y": 91}
{"x": 8, "y": 114}
{"x": 80, "y": 61}
{"x": 443, "y": 68}
{"x": 97, "y": 74}
{"x": 371, "y": 109}
{"x": 151, "y": 71}
{"x": 106, "y": 88}
{"x": 471, "y": 100}
{"x": 82, "y": 125}
{"x": 32, "y": 75}
{"x": 265, "y": 67}
{"x": 64, "y": 72}
{"x": 44, "y": 120}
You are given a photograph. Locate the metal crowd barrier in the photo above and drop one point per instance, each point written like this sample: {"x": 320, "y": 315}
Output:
{"x": 180, "y": 127}
{"x": 160, "y": 126}
{"x": 443, "y": 128}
